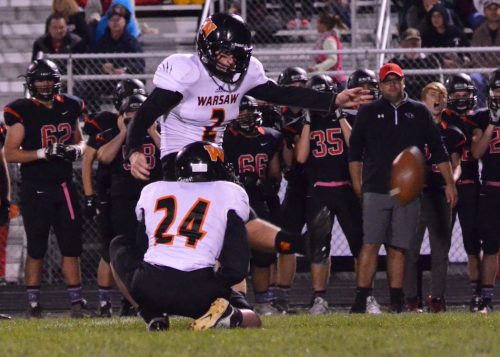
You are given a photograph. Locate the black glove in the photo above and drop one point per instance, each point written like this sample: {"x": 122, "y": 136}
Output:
{"x": 90, "y": 206}
{"x": 66, "y": 152}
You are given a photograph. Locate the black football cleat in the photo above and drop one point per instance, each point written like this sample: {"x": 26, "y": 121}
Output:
{"x": 127, "y": 309}
{"x": 320, "y": 235}
{"x": 105, "y": 309}
{"x": 81, "y": 310}
{"x": 158, "y": 324}
{"x": 34, "y": 311}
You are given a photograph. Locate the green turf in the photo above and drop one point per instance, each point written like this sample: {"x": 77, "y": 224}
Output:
{"x": 451, "y": 334}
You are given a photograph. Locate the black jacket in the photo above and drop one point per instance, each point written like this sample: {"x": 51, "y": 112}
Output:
{"x": 381, "y": 131}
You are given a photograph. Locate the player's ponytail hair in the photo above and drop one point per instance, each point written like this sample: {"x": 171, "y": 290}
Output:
{"x": 331, "y": 21}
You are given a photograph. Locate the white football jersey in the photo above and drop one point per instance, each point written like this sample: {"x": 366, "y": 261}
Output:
{"x": 186, "y": 222}
{"x": 206, "y": 107}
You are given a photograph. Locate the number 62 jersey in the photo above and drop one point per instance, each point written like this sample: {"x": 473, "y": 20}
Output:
{"x": 186, "y": 222}
{"x": 207, "y": 104}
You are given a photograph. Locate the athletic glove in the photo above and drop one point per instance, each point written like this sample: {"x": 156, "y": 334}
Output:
{"x": 90, "y": 206}
{"x": 66, "y": 152}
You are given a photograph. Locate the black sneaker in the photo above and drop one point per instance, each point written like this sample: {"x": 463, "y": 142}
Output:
{"x": 158, "y": 324}
{"x": 34, "y": 311}
{"x": 486, "y": 307}
{"x": 105, "y": 309}
{"x": 5, "y": 317}
{"x": 475, "y": 303}
{"x": 358, "y": 308}
{"x": 319, "y": 237}
{"x": 283, "y": 306}
{"x": 81, "y": 310}
{"x": 127, "y": 309}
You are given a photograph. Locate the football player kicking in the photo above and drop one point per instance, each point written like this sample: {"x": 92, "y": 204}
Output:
{"x": 197, "y": 95}
{"x": 190, "y": 224}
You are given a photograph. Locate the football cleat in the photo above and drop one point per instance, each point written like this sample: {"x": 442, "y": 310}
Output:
{"x": 436, "y": 304}
{"x": 158, "y": 324}
{"x": 127, "y": 309}
{"x": 266, "y": 309}
{"x": 5, "y": 317}
{"x": 475, "y": 302}
{"x": 218, "y": 316}
{"x": 485, "y": 308}
{"x": 372, "y": 306}
{"x": 81, "y": 310}
{"x": 412, "y": 304}
{"x": 34, "y": 311}
{"x": 105, "y": 309}
{"x": 396, "y": 308}
{"x": 319, "y": 236}
{"x": 319, "y": 306}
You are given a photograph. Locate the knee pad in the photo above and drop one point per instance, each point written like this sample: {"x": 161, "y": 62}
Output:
{"x": 262, "y": 260}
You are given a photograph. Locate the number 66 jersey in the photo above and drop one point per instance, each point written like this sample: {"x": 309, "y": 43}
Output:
{"x": 207, "y": 104}
{"x": 186, "y": 222}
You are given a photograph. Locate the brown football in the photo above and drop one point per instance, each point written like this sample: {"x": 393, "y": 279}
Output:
{"x": 407, "y": 175}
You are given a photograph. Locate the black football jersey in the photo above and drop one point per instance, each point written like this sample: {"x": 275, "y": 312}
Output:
{"x": 99, "y": 122}
{"x": 251, "y": 154}
{"x": 467, "y": 124}
{"x": 328, "y": 157}
{"x": 491, "y": 158}
{"x": 44, "y": 126}
{"x": 122, "y": 181}
{"x": 454, "y": 140}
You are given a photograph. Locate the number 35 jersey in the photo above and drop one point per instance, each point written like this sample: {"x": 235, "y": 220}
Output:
{"x": 186, "y": 222}
{"x": 208, "y": 104}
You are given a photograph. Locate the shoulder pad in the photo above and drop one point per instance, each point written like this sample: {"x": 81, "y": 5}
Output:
{"x": 180, "y": 68}
{"x": 15, "y": 111}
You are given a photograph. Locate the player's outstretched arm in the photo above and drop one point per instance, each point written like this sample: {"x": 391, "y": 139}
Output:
{"x": 159, "y": 102}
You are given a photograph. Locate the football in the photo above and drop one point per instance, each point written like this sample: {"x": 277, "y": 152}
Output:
{"x": 407, "y": 175}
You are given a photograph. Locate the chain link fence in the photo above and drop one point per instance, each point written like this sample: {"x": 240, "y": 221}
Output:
{"x": 95, "y": 88}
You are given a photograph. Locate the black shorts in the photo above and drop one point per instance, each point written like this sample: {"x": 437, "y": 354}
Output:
{"x": 47, "y": 205}
{"x": 343, "y": 204}
{"x": 467, "y": 210}
{"x": 104, "y": 226}
{"x": 163, "y": 289}
{"x": 293, "y": 210}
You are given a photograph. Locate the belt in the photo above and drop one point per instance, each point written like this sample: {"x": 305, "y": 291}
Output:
{"x": 466, "y": 182}
{"x": 492, "y": 183}
{"x": 332, "y": 183}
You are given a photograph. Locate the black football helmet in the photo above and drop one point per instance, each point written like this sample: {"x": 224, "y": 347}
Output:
{"x": 227, "y": 34}
{"x": 360, "y": 77}
{"x": 126, "y": 88}
{"x": 457, "y": 83}
{"x": 494, "y": 101}
{"x": 291, "y": 75}
{"x": 132, "y": 103}
{"x": 250, "y": 116}
{"x": 201, "y": 161}
{"x": 322, "y": 83}
{"x": 43, "y": 70}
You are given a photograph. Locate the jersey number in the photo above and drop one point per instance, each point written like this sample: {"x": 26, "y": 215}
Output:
{"x": 247, "y": 163}
{"x": 494, "y": 148}
{"x": 50, "y": 131}
{"x": 334, "y": 147}
{"x": 218, "y": 116}
{"x": 147, "y": 149}
{"x": 191, "y": 225}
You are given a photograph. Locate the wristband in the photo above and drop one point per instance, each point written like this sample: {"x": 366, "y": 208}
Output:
{"x": 40, "y": 154}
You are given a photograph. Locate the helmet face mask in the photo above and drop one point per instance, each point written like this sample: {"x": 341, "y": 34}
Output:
{"x": 250, "y": 116}
{"x": 200, "y": 161}
{"x": 126, "y": 88}
{"x": 223, "y": 34}
{"x": 366, "y": 79}
{"x": 462, "y": 94}
{"x": 43, "y": 71}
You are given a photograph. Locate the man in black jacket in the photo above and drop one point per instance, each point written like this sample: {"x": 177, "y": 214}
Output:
{"x": 381, "y": 131}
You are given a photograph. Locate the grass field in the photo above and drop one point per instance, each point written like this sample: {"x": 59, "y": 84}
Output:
{"x": 450, "y": 334}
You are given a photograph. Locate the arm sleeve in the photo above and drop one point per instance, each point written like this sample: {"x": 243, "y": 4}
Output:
{"x": 158, "y": 103}
{"x": 294, "y": 96}
{"x": 329, "y": 45}
{"x": 235, "y": 254}
{"x": 356, "y": 141}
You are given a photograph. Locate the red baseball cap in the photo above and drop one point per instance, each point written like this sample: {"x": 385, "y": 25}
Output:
{"x": 390, "y": 68}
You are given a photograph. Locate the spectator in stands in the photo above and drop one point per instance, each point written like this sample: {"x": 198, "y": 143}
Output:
{"x": 302, "y": 14}
{"x": 487, "y": 35}
{"x": 417, "y": 13}
{"x": 132, "y": 26}
{"x": 74, "y": 16}
{"x": 58, "y": 39}
{"x": 115, "y": 40}
{"x": 341, "y": 8}
{"x": 415, "y": 60}
{"x": 329, "y": 40}
{"x": 439, "y": 32}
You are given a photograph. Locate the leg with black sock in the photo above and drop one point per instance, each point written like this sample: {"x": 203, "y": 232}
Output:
{"x": 359, "y": 306}
{"x": 34, "y": 308}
